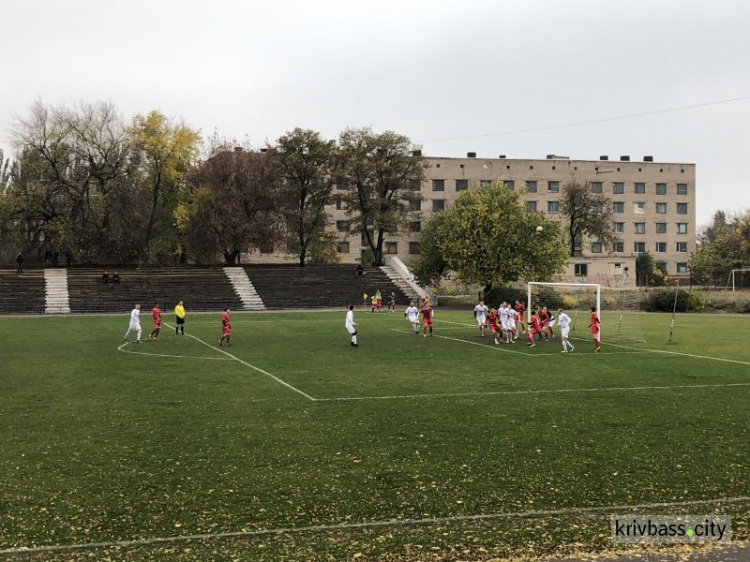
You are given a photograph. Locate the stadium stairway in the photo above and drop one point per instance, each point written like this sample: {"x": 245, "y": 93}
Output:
{"x": 56, "y": 291}
{"x": 22, "y": 294}
{"x": 320, "y": 286}
{"x": 396, "y": 279}
{"x": 244, "y": 288}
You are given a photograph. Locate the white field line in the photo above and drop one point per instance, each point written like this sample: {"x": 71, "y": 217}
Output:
{"x": 542, "y": 391}
{"x": 166, "y": 355}
{"x": 529, "y": 354}
{"x": 368, "y": 525}
{"x": 274, "y": 377}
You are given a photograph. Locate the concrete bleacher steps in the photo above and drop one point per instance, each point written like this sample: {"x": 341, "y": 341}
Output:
{"x": 396, "y": 279}
{"x": 56, "y": 291}
{"x": 202, "y": 289}
{"x": 244, "y": 289}
{"x": 22, "y": 293}
{"x": 319, "y": 286}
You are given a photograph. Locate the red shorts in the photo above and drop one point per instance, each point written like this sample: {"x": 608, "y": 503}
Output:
{"x": 226, "y": 330}
{"x": 533, "y": 332}
{"x": 494, "y": 328}
{"x": 545, "y": 324}
{"x": 428, "y": 321}
{"x": 157, "y": 323}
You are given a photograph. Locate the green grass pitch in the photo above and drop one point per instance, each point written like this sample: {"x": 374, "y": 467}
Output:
{"x": 292, "y": 445}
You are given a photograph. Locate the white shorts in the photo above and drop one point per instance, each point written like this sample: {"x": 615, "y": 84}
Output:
{"x": 134, "y": 326}
{"x": 552, "y": 323}
{"x": 414, "y": 319}
{"x": 481, "y": 320}
{"x": 351, "y": 330}
{"x": 509, "y": 325}
{"x": 565, "y": 331}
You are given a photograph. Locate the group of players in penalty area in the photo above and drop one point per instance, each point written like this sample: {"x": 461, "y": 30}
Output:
{"x": 502, "y": 322}
{"x": 179, "y": 312}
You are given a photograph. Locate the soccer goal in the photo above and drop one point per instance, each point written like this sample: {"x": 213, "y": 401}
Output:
{"x": 619, "y": 309}
{"x": 738, "y": 279}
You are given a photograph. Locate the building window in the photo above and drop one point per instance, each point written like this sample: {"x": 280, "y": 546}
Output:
{"x": 531, "y": 186}
{"x": 342, "y": 185}
{"x": 438, "y": 205}
{"x": 618, "y": 207}
{"x": 415, "y": 185}
{"x": 661, "y": 266}
{"x": 414, "y": 248}
{"x": 618, "y": 247}
{"x": 391, "y": 247}
{"x": 581, "y": 269}
{"x": 510, "y": 184}
{"x": 640, "y": 188}
{"x": 639, "y": 247}
{"x": 553, "y": 207}
{"x": 661, "y": 208}
{"x": 661, "y": 188}
{"x": 681, "y": 228}
{"x": 618, "y": 188}
{"x": 682, "y": 208}
{"x": 682, "y": 189}
{"x": 619, "y": 227}
{"x": 596, "y": 209}
{"x": 640, "y": 227}
{"x": 485, "y": 183}
{"x": 682, "y": 247}
{"x": 661, "y": 228}
{"x": 596, "y": 187}
{"x": 342, "y": 247}
{"x": 415, "y": 226}
{"x": 531, "y": 206}
{"x": 639, "y": 208}
{"x": 342, "y": 226}
{"x": 596, "y": 247}
{"x": 618, "y": 269}
{"x": 682, "y": 267}
{"x": 462, "y": 185}
{"x": 661, "y": 247}
{"x": 339, "y": 203}
{"x": 553, "y": 186}
{"x": 438, "y": 185}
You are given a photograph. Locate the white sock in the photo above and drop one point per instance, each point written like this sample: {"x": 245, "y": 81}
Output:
{"x": 354, "y": 340}
{"x": 139, "y": 335}
{"x": 127, "y": 334}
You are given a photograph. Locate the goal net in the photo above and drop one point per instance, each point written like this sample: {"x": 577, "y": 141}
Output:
{"x": 619, "y": 309}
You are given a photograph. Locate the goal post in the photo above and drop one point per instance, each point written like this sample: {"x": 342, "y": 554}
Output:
{"x": 618, "y": 308}
{"x": 554, "y": 297}
{"x": 738, "y": 279}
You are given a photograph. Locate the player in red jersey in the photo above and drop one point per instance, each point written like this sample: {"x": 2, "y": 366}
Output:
{"x": 548, "y": 324}
{"x": 520, "y": 308}
{"x": 427, "y": 315}
{"x": 156, "y": 314}
{"x": 595, "y": 328}
{"x": 493, "y": 321}
{"x": 535, "y": 327}
{"x": 226, "y": 328}
{"x": 543, "y": 316}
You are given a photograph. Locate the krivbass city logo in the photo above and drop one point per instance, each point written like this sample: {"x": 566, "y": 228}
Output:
{"x": 671, "y": 529}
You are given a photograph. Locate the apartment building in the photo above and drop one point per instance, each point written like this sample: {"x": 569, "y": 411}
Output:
{"x": 653, "y": 204}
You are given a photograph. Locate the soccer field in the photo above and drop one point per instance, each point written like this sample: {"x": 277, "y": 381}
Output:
{"x": 292, "y": 445}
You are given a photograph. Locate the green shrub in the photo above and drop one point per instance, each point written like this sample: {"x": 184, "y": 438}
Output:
{"x": 742, "y": 306}
{"x": 663, "y": 300}
{"x": 499, "y": 294}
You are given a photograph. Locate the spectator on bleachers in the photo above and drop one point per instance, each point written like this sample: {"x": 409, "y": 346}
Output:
{"x": 19, "y": 261}
{"x": 55, "y": 258}
{"x": 47, "y": 257}
{"x": 360, "y": 270}
{"x": 116, "y": 279}
{"x": 105, "y": 278}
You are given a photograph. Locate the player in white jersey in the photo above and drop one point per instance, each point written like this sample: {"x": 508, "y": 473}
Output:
{"x": 564, "y": 321}
{"x": 505, "y": 322}
{"x": 480, "y": 315}
{"x": 135, "y": 323}
{"x": 351, "y": 326}
{"x": 412, "y": 315}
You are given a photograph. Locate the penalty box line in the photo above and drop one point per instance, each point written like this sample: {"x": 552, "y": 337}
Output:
{"x": 246, "y": 364}
{"x": 370, "y": 525}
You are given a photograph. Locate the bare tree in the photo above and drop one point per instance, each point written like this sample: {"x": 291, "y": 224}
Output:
{"x": 588, "y": 214}
{"x": 380, "y": 169}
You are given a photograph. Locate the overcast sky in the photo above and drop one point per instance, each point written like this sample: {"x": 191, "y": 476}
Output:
{"x": 429, "y": 69}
